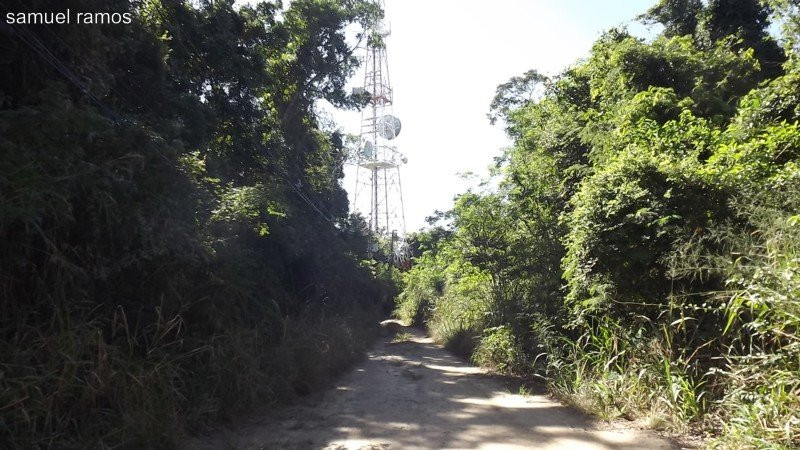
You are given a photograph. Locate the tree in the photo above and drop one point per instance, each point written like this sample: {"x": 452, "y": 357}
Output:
{"x": 172, "y": 230}
{"x": 747, "y": 20}
{"x": 679, "y": 17}
{"x": 516, "y": 92}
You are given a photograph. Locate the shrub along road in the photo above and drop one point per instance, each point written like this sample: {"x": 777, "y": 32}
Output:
{"x": 411, "y": 393}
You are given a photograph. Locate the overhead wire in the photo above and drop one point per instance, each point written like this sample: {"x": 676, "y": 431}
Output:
{"x": 77, "y": 55}
{"x": 34, "y": 43}
{"x": 318, "y": 207}
{"x": 45, "y": 54}
{"x": 299, "y": 191}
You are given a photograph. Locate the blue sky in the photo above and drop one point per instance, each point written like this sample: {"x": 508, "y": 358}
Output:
{"x": 446, "y": 58}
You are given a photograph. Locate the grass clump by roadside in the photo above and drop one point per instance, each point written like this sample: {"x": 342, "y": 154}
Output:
{"x": 403, "y": 336}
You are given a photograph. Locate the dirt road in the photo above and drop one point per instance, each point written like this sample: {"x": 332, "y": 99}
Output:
{"x": 415, "y": 395}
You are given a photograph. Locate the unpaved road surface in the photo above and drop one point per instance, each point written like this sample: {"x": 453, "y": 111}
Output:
{"x": 415, "y": 395}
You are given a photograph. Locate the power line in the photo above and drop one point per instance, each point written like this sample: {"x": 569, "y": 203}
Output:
{"x": 44, "y": 52}
{"x": 32, "y": 41}
{"x": 298, "y": 190}
{"x": 41, "y": 49}
{"x": 78, "y": 56}
{"x": 318, "y": 207}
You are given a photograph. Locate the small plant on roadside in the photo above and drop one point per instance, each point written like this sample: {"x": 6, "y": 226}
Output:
{"x": 402, "y": 336}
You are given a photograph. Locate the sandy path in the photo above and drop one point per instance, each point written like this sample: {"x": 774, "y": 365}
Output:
{"x": 415, "y": 395}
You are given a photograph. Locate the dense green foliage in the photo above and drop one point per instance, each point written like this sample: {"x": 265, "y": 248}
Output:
{"x": 175, "y": 247}
{"x": 642, "y": 250}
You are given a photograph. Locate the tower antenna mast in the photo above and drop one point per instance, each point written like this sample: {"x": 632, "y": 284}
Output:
{"x": 378, "y": 192}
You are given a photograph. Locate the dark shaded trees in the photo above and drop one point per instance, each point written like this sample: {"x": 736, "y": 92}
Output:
{"x": 174, "y": 243}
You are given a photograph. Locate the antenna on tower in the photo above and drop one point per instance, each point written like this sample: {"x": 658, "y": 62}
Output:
{"x": 378, "y": 193}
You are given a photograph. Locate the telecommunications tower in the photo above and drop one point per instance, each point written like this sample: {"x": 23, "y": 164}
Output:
{"x": 378, "y": 193}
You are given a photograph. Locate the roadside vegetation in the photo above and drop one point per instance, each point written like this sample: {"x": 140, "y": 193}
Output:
{"x": 641, "y": 252}
{"x": 175, "y": 247}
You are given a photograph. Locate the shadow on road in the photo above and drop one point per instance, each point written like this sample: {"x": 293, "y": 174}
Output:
{"x": 414, "y": 394}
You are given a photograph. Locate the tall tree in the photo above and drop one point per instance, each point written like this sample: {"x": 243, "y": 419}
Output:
{"x": 747, "y": 20}
{"x": 679, "y": 17}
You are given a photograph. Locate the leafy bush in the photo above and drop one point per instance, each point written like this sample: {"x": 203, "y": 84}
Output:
{"x": 499, "y": 350}
{"x": 624, "y": 222}
{"x": 640, "y": 251}
{"x": 422, "y": 287}
{"x": 458, "y": 315}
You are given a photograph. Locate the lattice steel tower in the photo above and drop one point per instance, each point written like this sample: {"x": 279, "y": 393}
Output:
{"x": 378, "y": 193}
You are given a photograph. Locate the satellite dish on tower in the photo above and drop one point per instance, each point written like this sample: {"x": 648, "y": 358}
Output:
{"x": 389, "y": 127}
{"x": 367, "y": 150}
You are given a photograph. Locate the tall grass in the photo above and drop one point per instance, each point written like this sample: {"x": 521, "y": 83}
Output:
{"x": 724, "y": 362}
{"x": 97, "y": 379}
{"x": 453, "y": 303}
{"x": 730, "y": 367}
{"x": 761, "y": 405}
